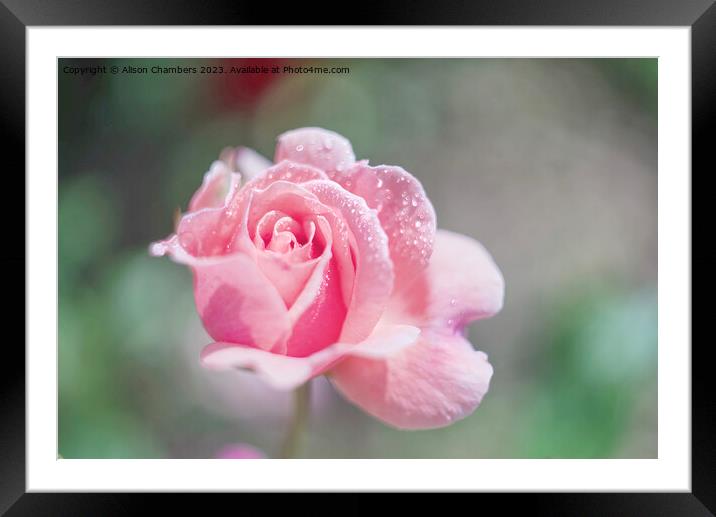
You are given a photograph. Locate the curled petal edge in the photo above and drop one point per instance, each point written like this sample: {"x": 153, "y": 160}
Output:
{"x": 286, "y": 373}
{"x": 245, "y": 160}
{"x": 433, "y": 384}
{"x": 218, "y": 185}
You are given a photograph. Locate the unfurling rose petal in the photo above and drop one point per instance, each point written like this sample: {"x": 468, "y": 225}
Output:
{"x": 373, "y": 281}
{"x": 286, "y": 372}
{"x": 286, "y": 171}
{"x": 440, "y": 380}
{"x": 233, "y": 298}
{"x": 244, "y": 160}
{"x": 218, "y": 182}
{"x": 405, "y": 213}
{"x": 323, "y": 149}
{"x": 462, "y": 284}
{"x": 443, "y": 378}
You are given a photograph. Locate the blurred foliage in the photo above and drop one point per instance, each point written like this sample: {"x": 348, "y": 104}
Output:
{"x": 576, "y": 361}
{"x": 598, "y": 355}
{"x": 637, "y": 77}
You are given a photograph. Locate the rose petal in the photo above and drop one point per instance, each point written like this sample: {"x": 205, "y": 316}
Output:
{"x": 198, "y": 234}
{"x": 385, "y": 341}
{"x": 432, "y": 384}
{"x": 286, "y": 373}
{"x": 373, "y": 281}
{"x": 324, "y": 149}
{"x": 208, "y": 230}
{"x": 289, "y": 278}
{"x": 234, "y": 299}
{"x": 238, "y": 304}
{"x": 279, "y": 371}
{"x": 286, "y": 170}
{"x": 342, "y": 253}
{"x": 461, "y": 284}
{"x": 319, "y": 311}
{"x": 218, "y": 182}
{"x": 265, "y": 227}
{"x": 247, "y": 161}
{"x": 443, "y": 378}
{"x": 404, "y": 210}
{"x": 235, "y": 218}
{"x": 291, "y": 199}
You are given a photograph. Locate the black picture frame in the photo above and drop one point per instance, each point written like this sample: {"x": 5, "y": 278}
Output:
{"x": 16, "y": 15}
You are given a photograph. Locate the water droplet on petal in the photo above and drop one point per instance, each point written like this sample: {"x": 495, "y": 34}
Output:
{"x": 187, "y": 241}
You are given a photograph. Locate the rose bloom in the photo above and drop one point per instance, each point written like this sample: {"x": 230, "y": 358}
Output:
{"x": 321, "y": 264}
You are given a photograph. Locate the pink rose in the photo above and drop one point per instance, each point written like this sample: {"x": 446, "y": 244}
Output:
{"x": 320, "y": 264}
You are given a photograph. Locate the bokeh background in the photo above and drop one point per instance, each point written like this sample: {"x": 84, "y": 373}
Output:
{"x": 552, "y": 164}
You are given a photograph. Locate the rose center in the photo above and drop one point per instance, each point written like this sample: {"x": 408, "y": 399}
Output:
{"x": 283, "y": 234}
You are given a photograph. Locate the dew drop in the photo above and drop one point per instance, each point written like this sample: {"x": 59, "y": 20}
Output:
{"x": 187, "y": 240}
{"x": 418, "y": 224}
{"x": 299, "y": 148}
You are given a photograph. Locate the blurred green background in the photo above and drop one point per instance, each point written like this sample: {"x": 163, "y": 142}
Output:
{"x": 552, "y": 164}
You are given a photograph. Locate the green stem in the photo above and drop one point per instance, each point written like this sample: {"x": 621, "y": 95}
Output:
{"x": 302, "y": 400}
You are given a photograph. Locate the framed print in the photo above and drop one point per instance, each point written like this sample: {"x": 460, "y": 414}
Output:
{"x": 416, "y": 259}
